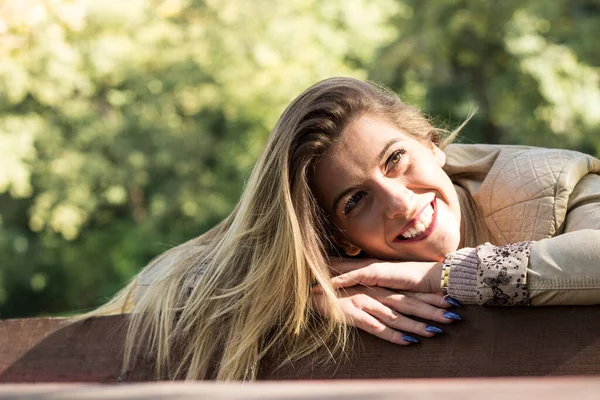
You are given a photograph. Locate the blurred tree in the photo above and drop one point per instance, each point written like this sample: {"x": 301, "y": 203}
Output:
{"x": 128, "y": 126}
{"x": 529, "y": 67}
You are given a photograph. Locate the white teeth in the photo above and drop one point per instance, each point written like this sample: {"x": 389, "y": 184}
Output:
{"x": 421, "y": 225}
{"x": 428, "y": 211}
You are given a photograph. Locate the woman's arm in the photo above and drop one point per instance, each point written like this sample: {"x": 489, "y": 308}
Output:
{"x": 385, "y": 301}
{"x": 562, "y": 270}
{"x": 566, "y": 269}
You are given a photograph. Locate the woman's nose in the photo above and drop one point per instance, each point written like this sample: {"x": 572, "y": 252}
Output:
{"x": 399, "y": 202}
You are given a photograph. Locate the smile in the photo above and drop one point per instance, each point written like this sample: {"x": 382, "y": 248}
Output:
{"x": 421, "y": 226}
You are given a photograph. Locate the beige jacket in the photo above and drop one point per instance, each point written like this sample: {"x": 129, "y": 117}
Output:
{"x": 538, "y": 210}
{"x": 532, "y": 219}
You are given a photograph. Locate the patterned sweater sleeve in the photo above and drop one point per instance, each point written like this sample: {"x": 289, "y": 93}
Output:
{"x": 490, "y": 275}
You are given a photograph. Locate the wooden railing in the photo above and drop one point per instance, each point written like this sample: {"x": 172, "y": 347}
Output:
{"x": 489, "y": 342}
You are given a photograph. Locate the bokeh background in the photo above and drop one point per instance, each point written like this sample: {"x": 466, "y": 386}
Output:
{"x": 129, "y": 126}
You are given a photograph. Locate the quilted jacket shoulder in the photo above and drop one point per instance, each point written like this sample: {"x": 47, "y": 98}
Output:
{"x": 522, "y": 193}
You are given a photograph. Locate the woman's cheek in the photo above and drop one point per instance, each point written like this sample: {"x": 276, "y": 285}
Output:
{"x": 367, "y": 229}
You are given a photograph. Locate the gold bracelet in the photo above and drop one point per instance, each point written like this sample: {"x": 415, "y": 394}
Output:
{"x": 446, "y": 265}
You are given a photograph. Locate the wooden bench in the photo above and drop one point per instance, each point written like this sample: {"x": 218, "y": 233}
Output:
{"x": 489, "y": 342}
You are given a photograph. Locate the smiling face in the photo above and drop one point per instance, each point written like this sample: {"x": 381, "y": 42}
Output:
{"x": 388, "y": 195}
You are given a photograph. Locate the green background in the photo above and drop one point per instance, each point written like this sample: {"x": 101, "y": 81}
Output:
{"x": 129, "y": 126}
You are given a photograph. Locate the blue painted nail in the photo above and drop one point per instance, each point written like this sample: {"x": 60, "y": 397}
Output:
{"x": 410, "y": 339}
{"x": 433, "y": 329}
{"x": 452, "y": 301}
{"x": 451, "y": 315}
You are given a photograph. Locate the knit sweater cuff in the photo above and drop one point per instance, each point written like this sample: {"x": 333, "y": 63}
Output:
{"x": 462, "y": 279}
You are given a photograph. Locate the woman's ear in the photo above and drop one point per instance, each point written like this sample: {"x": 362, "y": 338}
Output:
{"x": 350, "y": 249}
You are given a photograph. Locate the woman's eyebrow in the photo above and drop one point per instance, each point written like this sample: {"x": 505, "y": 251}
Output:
{"x": 387, "y": 145}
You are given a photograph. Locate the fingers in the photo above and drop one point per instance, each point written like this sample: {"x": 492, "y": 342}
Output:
{"x": 379, "y": 312}
{"x": 385, "y": 313}
{"x": 389, "y": 324}
{"x": 317, "y": 289}
{"x": 428, "y": 306}
{"x": 375, "y": 327}
{"x": 353, "y": 277}
{"x": 435, "y": 299}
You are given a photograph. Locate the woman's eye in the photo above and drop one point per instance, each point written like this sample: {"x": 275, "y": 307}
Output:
{"x": 395, "y": 158}
{"x": 353, "y": 201}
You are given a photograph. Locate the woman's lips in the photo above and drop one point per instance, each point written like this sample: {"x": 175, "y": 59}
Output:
{"x": 427, "y": 231}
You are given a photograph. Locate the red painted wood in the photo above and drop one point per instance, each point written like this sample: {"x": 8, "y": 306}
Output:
{"x": 18, "y": 336}
{"x": 489, "y": 342}
{"x": 47, "y": 350}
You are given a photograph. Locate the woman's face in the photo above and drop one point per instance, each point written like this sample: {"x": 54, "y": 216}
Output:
{"x": 388, "y": 195}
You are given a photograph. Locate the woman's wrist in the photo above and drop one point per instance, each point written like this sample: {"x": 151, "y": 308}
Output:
{"x": 445, "y": 274}
{"x": 434, "y": 278}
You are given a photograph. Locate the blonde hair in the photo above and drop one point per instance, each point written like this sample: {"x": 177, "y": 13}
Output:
{"x": 250, "y": 277}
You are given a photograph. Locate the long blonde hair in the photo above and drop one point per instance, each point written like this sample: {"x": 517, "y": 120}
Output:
{"x": 250, "y": 277}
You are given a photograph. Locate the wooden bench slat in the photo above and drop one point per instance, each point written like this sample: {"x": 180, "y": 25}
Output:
{"x": 489, "y": 342}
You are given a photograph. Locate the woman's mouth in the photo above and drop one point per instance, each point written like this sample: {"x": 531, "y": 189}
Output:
{"x": 422, "y": 226}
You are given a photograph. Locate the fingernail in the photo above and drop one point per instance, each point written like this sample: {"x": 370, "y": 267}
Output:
{"x": 317, "y": 289}
{"x": 410, "y": 339}
{"x": 451, "y": 315}
{"x": 452, "y": 301}
{"x": 433, "y": 329}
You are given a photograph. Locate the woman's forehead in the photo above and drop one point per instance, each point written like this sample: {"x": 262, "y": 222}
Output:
{"x": 371, "y": 127}
{"x": 366, "y": 136}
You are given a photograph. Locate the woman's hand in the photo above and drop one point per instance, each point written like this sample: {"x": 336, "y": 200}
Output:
{"x": 383, "y": 313}
{"x": 369, "y": 302}
{"x": 423, "y": 277}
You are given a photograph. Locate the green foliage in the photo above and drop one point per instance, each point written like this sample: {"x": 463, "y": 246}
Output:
{"x": 529, "y": 68}
{"x": 127, "y": 127}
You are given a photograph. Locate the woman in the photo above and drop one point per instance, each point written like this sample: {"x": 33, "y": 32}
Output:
{"x": 353, "y": 178}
